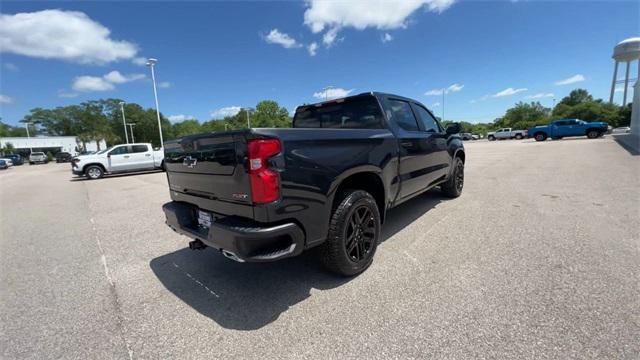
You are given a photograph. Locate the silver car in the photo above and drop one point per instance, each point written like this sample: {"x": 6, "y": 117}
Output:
{"x": 38, "y": 157}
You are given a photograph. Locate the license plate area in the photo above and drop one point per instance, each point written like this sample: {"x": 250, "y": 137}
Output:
{"x": 204, "y": 219}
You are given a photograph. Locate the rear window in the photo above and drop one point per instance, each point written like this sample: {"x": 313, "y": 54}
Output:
{"x": 37, "y": 153}
{"x": 355, "y": 113}
{"x": 139, "y": 148}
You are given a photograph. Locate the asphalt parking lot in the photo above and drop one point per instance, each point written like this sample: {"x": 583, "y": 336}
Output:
{"x": 539, "y": 258}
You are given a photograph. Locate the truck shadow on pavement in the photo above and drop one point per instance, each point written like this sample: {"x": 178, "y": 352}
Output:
{"x": 118, "y": 175}
{"x": 249, "y": 296}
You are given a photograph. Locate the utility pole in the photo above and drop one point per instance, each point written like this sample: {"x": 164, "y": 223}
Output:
{"x": 151, "y": 62}
{"x": 124, "y": 121}
{"x": 326, "y": 92}
{"x": 131, "y": 125}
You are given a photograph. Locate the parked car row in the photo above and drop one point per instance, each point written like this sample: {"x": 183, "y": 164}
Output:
{"x": 556, "y": 130}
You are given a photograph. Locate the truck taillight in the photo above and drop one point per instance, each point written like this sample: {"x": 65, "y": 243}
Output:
{"x": 265, "y": 184}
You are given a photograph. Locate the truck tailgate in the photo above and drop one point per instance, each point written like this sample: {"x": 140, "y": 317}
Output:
{"x": 209, "y": 171}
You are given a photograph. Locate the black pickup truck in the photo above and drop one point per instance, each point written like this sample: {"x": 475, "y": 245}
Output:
{"x": 267, "y": 194}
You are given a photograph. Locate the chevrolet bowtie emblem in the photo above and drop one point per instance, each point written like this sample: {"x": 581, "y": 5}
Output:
{"x": 189, "y": 162}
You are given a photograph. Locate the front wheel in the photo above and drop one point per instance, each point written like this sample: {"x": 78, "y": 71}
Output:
{"x": 592, "y": 134}
{"x": 94, "y": 172}
{"x": 354, "y": 232}
{"x": 453, "y": 187}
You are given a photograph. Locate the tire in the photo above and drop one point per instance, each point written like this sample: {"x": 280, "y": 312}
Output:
{"x": 491, "y": 138}
{"x": 518, "y": 136}
{"x": 540, "y": 136}
{"x": 593, "y": 134}
{"x": 354, "y": 232}
{"x": 94, "y": 172}
{"x": 453, "y": 186}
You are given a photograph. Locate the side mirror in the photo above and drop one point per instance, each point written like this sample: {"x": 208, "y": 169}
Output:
{"x": 454, "y": 128}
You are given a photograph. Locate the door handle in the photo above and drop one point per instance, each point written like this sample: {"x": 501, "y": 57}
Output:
{"x": 126, "y": 156}
{"x": 147, "y": 154}
{"x": 407, "y": 144}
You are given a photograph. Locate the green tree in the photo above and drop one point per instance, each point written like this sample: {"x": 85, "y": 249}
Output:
{"x": 186, "y": 127}
{"x": 269, "y": 114}
{"x": 523, "y": 116}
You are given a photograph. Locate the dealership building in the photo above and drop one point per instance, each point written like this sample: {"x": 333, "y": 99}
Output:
{"x": 53, "y": 144}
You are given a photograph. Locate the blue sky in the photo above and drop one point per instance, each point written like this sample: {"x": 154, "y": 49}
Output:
{"x": 214, "y": 57}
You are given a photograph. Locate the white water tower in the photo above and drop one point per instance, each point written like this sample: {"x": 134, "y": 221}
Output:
{"x": 627, "y": 51}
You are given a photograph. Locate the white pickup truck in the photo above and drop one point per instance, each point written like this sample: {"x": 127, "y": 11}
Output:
{"x": 118, "y": 159}
{"x": 506, "y": 133}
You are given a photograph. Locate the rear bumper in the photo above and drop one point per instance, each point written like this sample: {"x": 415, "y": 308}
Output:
{"x": 247, "y": 240}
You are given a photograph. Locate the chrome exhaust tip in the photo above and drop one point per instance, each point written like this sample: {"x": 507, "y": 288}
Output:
{"x": 230, "y": 255}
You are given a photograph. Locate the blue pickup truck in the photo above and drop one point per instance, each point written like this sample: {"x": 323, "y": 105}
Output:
{"x": 568, "y": 127}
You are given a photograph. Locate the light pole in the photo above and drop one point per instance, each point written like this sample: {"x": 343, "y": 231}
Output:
{"x": 151, "y": 63}
{"x": 124, "y": 122}
{"x": 443, "y": 91}
{"x": 247, "y": 110}
{"x": 26, "y": 126}
{"x": 326, "y": 92}
{"x": 131, "y": 125}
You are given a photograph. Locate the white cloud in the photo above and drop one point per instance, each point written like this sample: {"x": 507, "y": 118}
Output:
{"x": 225, "y": 111}
{"x": 64, "y": 35}
{"x": 571, "y": 80}
{"x": 619, "y": 89}
{"x": 4, "y": 99}
{"x": 105, "y": 83}
{"x": 91, "y": 83}
{"x": 455, "y": 88}
{"x": 11, "y": 66}
{"x": 539, "y": 96}
{"x": 279, "y": 38}
{"x": 509, "y": 92}
{"x": 332, "y": 93}
{"x": 140, "y": 61}
{"x": 312, "y": 48}
{"x": 361, "y": 14}
{"x": 435, "y": 104}
{"x": 164, "y": 85}
{"x": 180, "y": 118}
{"x": 438, "y": 92}
{"x": 330, "y": 36}
{"x": 386, "y": 37}
{"x": 66, "y": 94}
{"x": 115, "y": 77}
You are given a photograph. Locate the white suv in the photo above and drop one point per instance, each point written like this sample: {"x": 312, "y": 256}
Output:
{"x": 38, "y": 157}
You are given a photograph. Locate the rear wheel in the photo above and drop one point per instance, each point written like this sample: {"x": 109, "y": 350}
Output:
{"x": 592, "y": 134}
{"x": 94, "y": 172}
{"x": 453, "y": 187}
{"x": 540, "y": 136}
{"x": 491, "y": 138}
{"x": 353, "y": 235}
{"x": 519, "y": 136}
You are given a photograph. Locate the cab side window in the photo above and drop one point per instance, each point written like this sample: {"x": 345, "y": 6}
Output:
{"x": 119, "y": 150}
{"x": 429, "y": 123}
{"x": 403, "y": 115}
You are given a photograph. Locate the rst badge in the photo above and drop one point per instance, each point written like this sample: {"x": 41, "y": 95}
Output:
{"x": 189, "y": 162}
